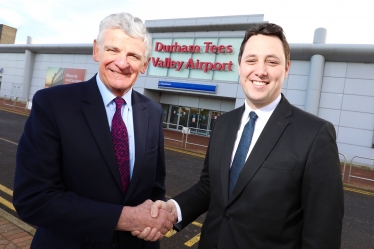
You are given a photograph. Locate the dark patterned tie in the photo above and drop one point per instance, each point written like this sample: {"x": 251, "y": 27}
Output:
{"x": 242, "y": 150}
{"x": 121, "y": 144}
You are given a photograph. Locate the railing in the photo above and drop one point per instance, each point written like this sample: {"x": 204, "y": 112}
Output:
{"x": 9, "y": 100}
{"x": 345, "y": 162}
{"x": 176, "y": 127}
{"x": 358, "y": 177}
{"x": 17, "y": 102}
{"x": 185, "y": 132}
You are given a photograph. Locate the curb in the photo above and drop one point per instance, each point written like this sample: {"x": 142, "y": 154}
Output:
{"x": 27, "y": 228}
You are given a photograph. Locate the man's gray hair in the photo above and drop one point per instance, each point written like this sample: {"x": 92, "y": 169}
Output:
{"x": 132, "y": 26}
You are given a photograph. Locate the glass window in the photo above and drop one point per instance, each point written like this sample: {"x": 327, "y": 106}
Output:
{"x": 158, "y": 57}
{"x": 203, "y": 57}
{"x": 181, "y": 57}
{"x": 226, "y": 58}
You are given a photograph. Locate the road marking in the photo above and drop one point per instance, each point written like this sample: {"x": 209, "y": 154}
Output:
{"x": 185, "y": 152}
{"x": 6, "y": 190}
{"x": 170, "y": 233}
{"x": 6, "y": 203}
{"x": 15, "y": 112}
{"x": 8, "y": 141}
{"x": 193, "y": 241}
{"x": 359, "y": 191}
{"x": 197, "y": 224}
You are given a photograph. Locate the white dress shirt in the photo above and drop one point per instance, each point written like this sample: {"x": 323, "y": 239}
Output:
{"x": 126, "y": 110}
{"x": 263, "y": 114}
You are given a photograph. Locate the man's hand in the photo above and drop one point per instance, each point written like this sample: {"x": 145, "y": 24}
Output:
{"x": 156, "y": 209}
{"x": 139, "y": 219}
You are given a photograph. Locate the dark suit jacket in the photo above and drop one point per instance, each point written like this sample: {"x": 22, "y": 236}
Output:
{"x": 289, "y": 193}
{"x": 67, "y": 181}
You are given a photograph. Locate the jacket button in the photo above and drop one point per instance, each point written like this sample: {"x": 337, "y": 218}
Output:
{"x": 226, "y": 217}
{"x": 114, "y": 243}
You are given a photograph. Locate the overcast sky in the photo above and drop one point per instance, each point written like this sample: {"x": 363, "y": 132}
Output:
{"x": 77, "y": 21}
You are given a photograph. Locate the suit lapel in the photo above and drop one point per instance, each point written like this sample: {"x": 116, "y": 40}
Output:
{"x": 229, "y": 141}
{"x": 141, "y": 119}
{"x": 95, "y": 114}
{"x": 265, "y": 143}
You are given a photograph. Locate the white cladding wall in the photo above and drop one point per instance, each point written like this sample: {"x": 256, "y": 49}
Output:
{"x": 43, "y": 61}
{"x": 347, "y": 100}
{"x": 13, "y": 66}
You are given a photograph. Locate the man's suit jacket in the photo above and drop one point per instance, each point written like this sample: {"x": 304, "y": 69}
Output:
{"x": 289, "y": 193}
{"x": 67, "y": 181}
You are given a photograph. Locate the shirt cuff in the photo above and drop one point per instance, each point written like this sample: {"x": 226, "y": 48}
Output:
{"x": 178, "y": 211}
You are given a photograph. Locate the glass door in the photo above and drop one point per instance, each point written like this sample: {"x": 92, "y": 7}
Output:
{"x": 193, "y": 120}
{"x": 174, "y": 117}
{"x": 165, "y": 111}
{"x": 183, "y": 117}
{"x": 204, "y": 122}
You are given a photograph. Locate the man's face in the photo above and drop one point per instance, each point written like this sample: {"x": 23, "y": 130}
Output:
{"x": 262, "y": 70}
{"x": 120, "y": 58}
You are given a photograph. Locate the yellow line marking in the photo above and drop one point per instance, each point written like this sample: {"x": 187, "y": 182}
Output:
{"x": 359, "y": 191}
{"x": 185, "y": 152}
{"x": 11, "y": 111}
{"x": 197, "y": 224}
{"x": 193, "y": 241}
{"x": 8, "y": 141}
{"x": 7, "y": 203}
{"x": 170, "y": 233}
{"x": 6, "y": 190}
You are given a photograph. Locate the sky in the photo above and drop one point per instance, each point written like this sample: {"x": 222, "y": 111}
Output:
{"x": 77, "y": 21}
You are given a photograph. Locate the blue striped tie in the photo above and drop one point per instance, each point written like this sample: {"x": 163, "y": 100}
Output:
{"x": 242, "y": 150}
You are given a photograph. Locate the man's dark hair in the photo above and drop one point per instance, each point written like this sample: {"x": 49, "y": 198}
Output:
{"x": 269, "y": 29}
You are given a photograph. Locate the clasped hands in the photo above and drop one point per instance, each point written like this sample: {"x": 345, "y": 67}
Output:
{"x": 150, "y": 220}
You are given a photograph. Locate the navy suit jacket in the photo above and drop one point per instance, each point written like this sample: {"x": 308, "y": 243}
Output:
{"x": 289, "y": 193}
{"x": 67, "y": 181}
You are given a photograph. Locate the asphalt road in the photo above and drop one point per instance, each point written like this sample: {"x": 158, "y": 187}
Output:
{"x": 183, "y": 170}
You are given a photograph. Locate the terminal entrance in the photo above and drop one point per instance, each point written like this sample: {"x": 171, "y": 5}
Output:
{"x": 200, "y": 121}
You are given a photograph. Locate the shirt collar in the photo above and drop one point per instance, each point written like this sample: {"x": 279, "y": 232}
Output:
{"x": 108, "y": 96}
{"x": 263, "y": 113}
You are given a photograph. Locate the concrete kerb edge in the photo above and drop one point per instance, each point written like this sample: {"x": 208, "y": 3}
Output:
{"x": 17, "y": 222}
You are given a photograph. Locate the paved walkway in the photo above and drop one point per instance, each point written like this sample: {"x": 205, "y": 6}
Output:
{"x": 15, "y": 234}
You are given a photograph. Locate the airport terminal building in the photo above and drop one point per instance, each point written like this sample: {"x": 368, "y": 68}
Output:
{"x": 193, "y": 74}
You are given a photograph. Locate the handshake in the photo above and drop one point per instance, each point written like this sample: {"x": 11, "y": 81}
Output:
{"x": 150, "y": 220}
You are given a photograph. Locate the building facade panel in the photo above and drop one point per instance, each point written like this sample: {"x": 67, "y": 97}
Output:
{"x": 297, "y": 82}
{"x": 335, "y": 69}
{"x": 358, "y": 103}
{"x": 331, "y": 100}
{"x": 359, "y": 87}
{"x": 358, "y": 120}
{"x": 299, "y": 67}
{"x": 330, "y": 115}
{"x": 354, "y": 136}
{"x": 333, "y": 85}
{"x": 360, "y": 71}
{"x": 296, "y": 97}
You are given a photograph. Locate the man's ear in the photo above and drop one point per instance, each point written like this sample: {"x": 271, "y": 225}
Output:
{"x": 95, "y": 51}
{"x": 288, "y": 65}
{"x": 145, "y": 66}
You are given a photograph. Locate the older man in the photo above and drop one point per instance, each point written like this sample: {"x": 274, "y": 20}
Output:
{"x": 271, "y": 177}
{"x": 92, "y": 153}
